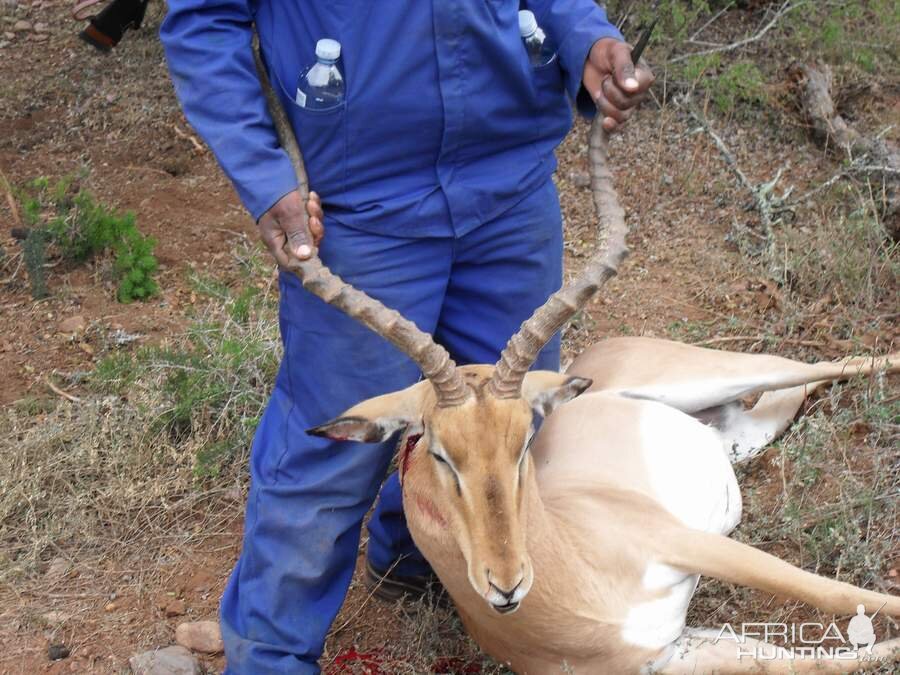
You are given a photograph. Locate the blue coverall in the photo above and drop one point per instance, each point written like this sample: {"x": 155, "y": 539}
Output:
{"x": 435, "y": 176}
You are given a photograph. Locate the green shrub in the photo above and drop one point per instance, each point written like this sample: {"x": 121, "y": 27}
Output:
{"x": 34, "y": 253}
{"x": 740, "y": 82}
{"x": 80, "y": 228}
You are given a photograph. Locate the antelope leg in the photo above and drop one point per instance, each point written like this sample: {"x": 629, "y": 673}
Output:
{"x": 693, "y": 379}
{"x": 698, "y": 651}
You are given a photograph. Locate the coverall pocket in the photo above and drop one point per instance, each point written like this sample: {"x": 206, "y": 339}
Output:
{"x": 548, "y": 83}
{"x": 322, "y": 136}
{"x": 551, "y": 115}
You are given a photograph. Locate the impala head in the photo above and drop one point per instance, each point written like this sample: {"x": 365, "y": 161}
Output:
{"x": 468, "y": 428}
{"x": 471, "y": 466}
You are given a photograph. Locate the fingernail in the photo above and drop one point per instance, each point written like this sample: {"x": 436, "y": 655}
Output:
{"x": 631, "y": 83}
{"x": 304, "y": 251}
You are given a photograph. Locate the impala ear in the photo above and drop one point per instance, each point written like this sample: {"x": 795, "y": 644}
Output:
{"x": 545, "y": 390}
{"x": 359, "y": 429}
{"x": 377, "y": 419}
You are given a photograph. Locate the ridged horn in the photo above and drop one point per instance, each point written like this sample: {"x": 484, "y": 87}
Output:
{"x": 523, "y": 348}
{"x": 316, "y": 278}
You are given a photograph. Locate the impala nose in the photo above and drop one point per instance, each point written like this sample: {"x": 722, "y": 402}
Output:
{"x": 503, "y": 600}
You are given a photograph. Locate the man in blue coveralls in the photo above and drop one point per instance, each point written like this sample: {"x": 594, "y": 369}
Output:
{"x": 435, "y": 174}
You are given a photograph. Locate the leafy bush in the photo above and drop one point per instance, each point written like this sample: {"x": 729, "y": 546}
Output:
{"x": 727, "y": 86}
{"x": 81, "y": 228}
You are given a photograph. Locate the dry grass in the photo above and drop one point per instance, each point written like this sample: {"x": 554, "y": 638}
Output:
{"x": 138, "y": 465}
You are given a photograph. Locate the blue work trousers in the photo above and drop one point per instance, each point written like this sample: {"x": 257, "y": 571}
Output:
{"x": 308, "y": 495}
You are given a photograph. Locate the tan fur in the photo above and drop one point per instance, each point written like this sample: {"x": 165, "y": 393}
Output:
{"x": 580, "y": 526}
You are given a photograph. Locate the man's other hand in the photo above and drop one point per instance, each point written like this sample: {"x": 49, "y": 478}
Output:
{"x": 283, "y": 232}
{"x": 613, "y": 81}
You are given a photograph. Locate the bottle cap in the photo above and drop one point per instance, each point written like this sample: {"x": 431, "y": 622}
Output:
{"x": 527, "y": 22}
{"x": 328, "y": 49}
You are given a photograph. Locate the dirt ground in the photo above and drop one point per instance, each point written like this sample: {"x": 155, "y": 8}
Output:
{"x": 113, "y": 119}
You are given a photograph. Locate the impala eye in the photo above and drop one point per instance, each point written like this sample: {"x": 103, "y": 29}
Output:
{"x": 442, "y": 460}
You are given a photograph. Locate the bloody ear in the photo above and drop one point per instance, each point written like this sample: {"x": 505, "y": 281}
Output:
{"x": 359, "y": 429}
{"x": 377, "y": 419}
{"x": 545, "y": 390}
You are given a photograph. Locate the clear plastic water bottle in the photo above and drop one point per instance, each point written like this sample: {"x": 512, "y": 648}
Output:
{"x": 322, "y": 86}
{"x": 540, "y": 51}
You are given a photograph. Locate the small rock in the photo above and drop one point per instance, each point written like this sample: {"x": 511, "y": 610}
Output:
{"x": 57, "y": 568}
{"x": 74, "y": 324}
{"x": 9, "y": 35}
{"x": 42, "y": 27}
{"x": 172, "y": 660}
{"x": 667, "y": 179}
{"x": 57, "y": 652}
{"x": 201, "y": 636}
{"x": 175, "y": 608}
{"x": 110, "y": 607}
{"x": 55, "y": 617}
{"x": 39, "y": 37}
{"x": 22, "y": 25}
{"x": 580, "y": 179}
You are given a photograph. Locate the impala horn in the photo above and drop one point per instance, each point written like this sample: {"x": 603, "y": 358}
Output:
{"x": 522, "y": 349}
{"x": 316, "y": 278}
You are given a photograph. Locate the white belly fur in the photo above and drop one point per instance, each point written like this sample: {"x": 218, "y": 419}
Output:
{"x": 691, "y": 477}
{"x": 688, "y": 469}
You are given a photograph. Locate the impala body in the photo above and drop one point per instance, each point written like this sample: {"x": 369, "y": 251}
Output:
{"x": 581, "y": 547}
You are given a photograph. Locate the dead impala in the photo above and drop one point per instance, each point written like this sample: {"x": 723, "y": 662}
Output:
{"x": 597, "y": 528}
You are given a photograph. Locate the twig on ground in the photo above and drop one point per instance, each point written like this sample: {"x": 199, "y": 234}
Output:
{"x": 785, "y": 8}
{"x": 820, "y": 188}
{"x": 59, "y": 392}
{"x": 12, "y": 277}
{"x": 624, "y": 16}
{"x": 362, "y": 605}
{"x": 870, "y": 157}
{"x": 767, "y": 202}
{"x": 711, "y": 21}
{"x": 198, "y": 146}
{"x": 10, "y": 198}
